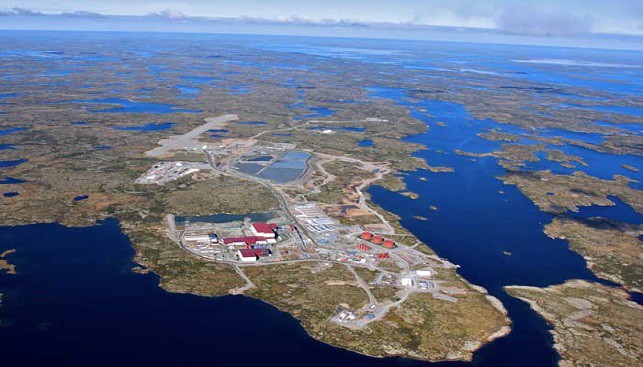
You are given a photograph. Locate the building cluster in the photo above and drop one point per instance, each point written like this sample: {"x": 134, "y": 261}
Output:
{"x": 246, "y": 249}
{"x": 315, "y": 220}
{"x": 164, "y": 172}
{"x": 254, "y": 247}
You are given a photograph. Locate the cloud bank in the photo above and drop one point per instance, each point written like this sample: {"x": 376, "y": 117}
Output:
{"x": 542, "y": 22}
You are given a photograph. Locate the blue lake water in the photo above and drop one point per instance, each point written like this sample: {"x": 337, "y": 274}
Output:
{"x": 10, "y": 194}
{"x": 11, "y": 181}
{"x": 81, "y": 197}
{"x": 187, "y": 91}
{"x": 365, "y": 143}
{"x": 604, "y": 165}
{"x": 200, "y": 79}
{"x": 12, "y": 130}
{"x": 315, "y": 112}
{"x": 151, "y": 126}
{"x": 127, "y": 106}
{"x": 4, "y": 96}
{"x": 78, "y": 122}
{"x": 12, "y": 163}
{"x": 7, "y": 147}
{"x": 475, "y": 223}
{"x": 620, "y": 212}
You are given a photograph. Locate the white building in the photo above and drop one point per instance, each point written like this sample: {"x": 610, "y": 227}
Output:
{"x": 407, "y": 282}
{"x": 197, "y": 237}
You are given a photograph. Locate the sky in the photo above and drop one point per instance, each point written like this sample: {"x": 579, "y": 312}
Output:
{"x": 599, "y": 16}
{"x": 413, "y": 19}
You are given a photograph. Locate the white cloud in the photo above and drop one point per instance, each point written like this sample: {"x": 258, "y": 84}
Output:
{"x": 171, "y": 14}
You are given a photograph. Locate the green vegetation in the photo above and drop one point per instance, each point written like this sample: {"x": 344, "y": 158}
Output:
{"x": 612, "y": 250}
{"x": 221, "y": 194}
{"x": 179, "y": 271}
{"x": 594, "y": 325}
{"x": 559, "y": 193}
{"x": 423, "y": 327}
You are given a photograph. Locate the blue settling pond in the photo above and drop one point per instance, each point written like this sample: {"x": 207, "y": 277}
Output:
{"x": 127, "y": 106}
{"x": 151, "y": 126}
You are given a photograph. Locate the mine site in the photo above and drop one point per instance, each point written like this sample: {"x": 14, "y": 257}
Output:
{"x": 301, "y": 230}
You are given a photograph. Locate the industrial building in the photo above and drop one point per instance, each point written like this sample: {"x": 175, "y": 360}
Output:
{"x": 248, "y": 255}
{"x": 264, "y": 230}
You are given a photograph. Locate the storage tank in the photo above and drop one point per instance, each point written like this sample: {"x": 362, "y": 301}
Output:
{"x": 366, "y": 236}
{"x": 377, "y": 240}
{"x": 388, "y": 244}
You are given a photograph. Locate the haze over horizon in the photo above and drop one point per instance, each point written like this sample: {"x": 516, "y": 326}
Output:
{"x": 548, "y": 22}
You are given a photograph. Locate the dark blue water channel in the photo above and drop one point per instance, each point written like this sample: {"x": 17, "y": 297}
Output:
{"x": 478, "y": 218}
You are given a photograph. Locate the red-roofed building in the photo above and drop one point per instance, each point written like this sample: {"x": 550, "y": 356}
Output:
{"x": 234, "y": 241}
{"x": 264, "y": 230}
{"x": 252, "y": 255}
